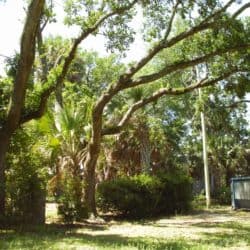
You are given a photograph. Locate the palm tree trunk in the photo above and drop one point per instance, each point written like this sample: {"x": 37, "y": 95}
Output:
{"x": 145, "y": 148}
{"x": 145, "y": 152}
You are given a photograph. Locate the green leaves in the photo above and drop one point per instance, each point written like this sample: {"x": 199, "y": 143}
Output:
{"x": 5, "y": 90}
{"x": 239, "y": 85}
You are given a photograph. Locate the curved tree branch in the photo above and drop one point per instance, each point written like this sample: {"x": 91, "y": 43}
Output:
{"x": 239, "y": 11}
{"x": 235, "y": 104}
{"x": 35, "y": 114}
{"x": 160, "y": 93}
{"x": 182, "y": 65}
{"x": 125, "y": 80}
{"x": 217, "y": 13}
{"x": 159, "y": 47}
{"x": 163, "y": 44}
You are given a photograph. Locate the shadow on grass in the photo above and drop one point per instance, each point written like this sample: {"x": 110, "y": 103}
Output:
{"x": 54, "y": 227}
{"x": 95, "y": 236}
{"x": 226, "y": 240}
{"x": 231, "y": 234}
{"x": 58, "y": 237}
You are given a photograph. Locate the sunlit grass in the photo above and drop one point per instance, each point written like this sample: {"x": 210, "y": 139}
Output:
{"x": 219, "y": 229}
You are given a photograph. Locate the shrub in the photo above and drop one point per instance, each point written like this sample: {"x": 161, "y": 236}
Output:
{"x": 26, "y": 177}
{"x": 222, "y": 195}
{"x": 135, "y": 196}
{"x": 199, "y": 201}
{"x": 176, "y": 194}
{"x": 144, "y": 196}
{"x": 71, "y": 206}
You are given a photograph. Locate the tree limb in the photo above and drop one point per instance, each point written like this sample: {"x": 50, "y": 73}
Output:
{"x": 169, "y": 28}
{"x": 27, "y": 55}
{"x": 125, "y": 81}
{"x": 41, "y": 52}
{"x": 38, "y": 113}
{"x": 235, "y": 104}
{"x": 220, "y": 11}
{"x": 159, "y": 47}
{"x": 182, "y": 65}
{"x": 35, "y": 114}
{"x": 203, "y": 25}
{"x": 239, "y": 11}
{"x": 160, "y": 93}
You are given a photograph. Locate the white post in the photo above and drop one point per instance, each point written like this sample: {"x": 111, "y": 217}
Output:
{"x": 205, "y": 159}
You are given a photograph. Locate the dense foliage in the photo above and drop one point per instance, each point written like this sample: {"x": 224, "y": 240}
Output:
{"x": 27, "y": 177}
{"x": 143, "y": 195}
{"x": 70, "y": 204}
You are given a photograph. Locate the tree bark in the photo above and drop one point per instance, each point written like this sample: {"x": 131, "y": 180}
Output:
{"x": 92, "y": 156}
{"x": 27, "y": 55}
{"x": 90, "y": 180}
{"x": 4, "y": 139}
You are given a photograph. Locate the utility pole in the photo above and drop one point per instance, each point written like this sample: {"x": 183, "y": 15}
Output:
{"x": 205, "y": 159}
{"x": 201, "y": 70}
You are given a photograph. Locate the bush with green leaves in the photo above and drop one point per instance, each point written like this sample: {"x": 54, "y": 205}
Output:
{"x": 222, "y": 195}
{"x": 26, "y": 177}
{"x": 146, "y": 196}
{"x": 176, "y": 195}
{"x": 70, "y": 204}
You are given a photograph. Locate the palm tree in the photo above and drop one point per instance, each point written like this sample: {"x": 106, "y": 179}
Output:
{"x": 69, "y": 135}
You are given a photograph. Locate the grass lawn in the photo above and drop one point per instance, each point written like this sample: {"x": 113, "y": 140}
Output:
{"x": 219, "y": 228}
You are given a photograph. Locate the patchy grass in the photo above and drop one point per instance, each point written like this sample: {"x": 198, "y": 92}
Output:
{"x": 214, "y": 229}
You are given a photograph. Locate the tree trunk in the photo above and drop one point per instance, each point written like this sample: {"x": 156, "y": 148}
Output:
{"x": 92, "y": 157}
{"x": 5, "y": 140}
{"x": 90, "y": 182}
{"x": 94, "y": 151}
{"x": 36, "y": 215}
{"x": 27, "y": 55}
